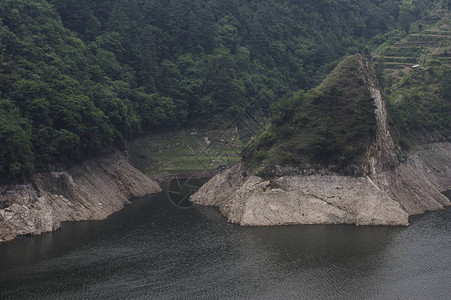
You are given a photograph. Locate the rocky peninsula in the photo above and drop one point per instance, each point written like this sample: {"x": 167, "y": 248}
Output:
{"x": 389, "y": 186}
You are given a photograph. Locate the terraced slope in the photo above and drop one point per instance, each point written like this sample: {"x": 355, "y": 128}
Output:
{"x": 415, "y": 73}
{"x": 428, "y": 44}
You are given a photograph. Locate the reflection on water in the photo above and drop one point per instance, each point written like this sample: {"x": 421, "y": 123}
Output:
{"x": 153, "y": 249}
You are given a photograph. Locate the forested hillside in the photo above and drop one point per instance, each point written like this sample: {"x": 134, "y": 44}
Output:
{"x": 419, "y": 98}
{"x": 331, "y": 124}
{"x": 79, "y": 76}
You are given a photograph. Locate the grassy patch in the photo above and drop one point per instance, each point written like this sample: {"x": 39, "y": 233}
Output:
{"x": 163, "y": 154}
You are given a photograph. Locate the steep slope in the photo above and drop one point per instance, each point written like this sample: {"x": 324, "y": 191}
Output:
{"x": 379, "y": 191}
{"x": 414, "y": 70}
{"x": 427, "y": 43}
{"x": 89, "y": 191}
{"x": 329, "y": 125}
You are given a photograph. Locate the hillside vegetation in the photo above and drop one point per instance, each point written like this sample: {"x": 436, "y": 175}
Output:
{"x": 419, "y": 98}
{"x": 80, "y": 76}
{"x": 332, "y": 124}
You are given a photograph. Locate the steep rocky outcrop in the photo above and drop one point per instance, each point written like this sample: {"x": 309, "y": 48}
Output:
{"x": 89, "y": 191}
{"x": 387, "y": 193}
{"x": 417, "y": 183}
{"x": 381, "y": 154}
{"x": 389, "y": 198}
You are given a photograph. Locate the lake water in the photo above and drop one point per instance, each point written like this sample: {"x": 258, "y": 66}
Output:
{"x": 155, "y": 250}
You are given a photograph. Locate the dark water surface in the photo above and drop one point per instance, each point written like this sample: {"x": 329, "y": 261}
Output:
{"x": 154, "y": 250}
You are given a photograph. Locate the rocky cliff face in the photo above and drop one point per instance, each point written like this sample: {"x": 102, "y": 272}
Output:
{"x": 381, "y": 154}
{"x": 387, "y": 193}
{"x": 388, "y": 198}
{"x": 89, "y": 191}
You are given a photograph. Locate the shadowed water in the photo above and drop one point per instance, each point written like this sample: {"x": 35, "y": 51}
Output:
{"x": 152, "y": 249}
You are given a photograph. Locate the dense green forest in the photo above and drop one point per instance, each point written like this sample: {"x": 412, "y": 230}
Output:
{"x": 420, "y": 107}
{"x": 80, "y": 76}
{"x": 331, "y": 124}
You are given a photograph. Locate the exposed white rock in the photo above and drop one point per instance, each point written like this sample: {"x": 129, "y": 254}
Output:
{"x": 381, "y": 154}
{"x": 411, "y": 188}
{"x": 90, "y": 191}
{"x": 387, "y": 194}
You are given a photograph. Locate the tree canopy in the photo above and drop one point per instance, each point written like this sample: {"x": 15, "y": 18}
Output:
{"x": 332, "y": 124}
{"x": 80, "y": 76}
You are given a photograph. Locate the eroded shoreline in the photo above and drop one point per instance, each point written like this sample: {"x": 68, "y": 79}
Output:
{"x": 91, "y": 190}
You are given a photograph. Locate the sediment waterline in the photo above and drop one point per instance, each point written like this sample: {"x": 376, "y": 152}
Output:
{"x": 91, "y": 190}
{"x": 392, "y": 186}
